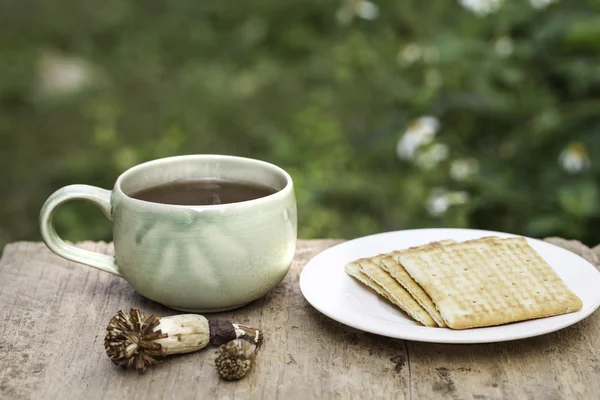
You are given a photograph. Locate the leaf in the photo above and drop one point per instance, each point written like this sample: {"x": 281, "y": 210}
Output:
{"x": 583, "y": 35}
{"x": 546, "y": 225}
{"x": 580, "y": 200}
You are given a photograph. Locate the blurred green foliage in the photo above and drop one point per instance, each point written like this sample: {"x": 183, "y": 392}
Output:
{"x": 325, "y": 89}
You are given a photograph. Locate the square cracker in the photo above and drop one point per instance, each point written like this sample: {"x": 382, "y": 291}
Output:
{"x": 390, "y": 289}
{"x": 404, "y": 279}
{"x": 386, "y": 286}
{"x": 391, "y": 265}
{"x": 387, "y": 262}
{"x": 396, "y": 271}
{"x": 353, "y": 269}
{"x": 491, "y": 281}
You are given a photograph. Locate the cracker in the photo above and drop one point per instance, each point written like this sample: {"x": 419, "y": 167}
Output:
{"x": 488, "y": 282}
{"x": 398, "y": 294}
{"x": 420, "y": 247}
{"x": 353, "y": 269}
{"x": 398, "y": 272}
{"x": 388, "y": 263}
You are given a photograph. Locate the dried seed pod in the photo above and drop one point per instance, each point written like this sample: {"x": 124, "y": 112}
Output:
{"x": 136, "y": 340}
{"x": 236, "y": 358}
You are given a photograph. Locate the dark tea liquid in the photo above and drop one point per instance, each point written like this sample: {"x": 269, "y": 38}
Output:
{"x": 203, "y": 192}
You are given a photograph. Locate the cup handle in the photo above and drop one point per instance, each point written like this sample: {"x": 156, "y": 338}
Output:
{"x": 97, "y": 196}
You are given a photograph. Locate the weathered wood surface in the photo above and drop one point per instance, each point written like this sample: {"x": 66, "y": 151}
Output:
{"x": 53, "y": 315}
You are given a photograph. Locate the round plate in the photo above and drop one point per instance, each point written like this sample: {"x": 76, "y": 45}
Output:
{"x": 330, "y": 290}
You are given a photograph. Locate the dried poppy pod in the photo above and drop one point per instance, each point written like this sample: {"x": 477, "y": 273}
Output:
{"x": 236, "y": 358}
{"x": 134, "y": 339}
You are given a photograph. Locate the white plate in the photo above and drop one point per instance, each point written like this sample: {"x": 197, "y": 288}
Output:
{"x": 331, "y": 291}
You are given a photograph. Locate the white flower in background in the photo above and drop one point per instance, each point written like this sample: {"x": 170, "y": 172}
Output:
{"x": 463, "y": 168}
{"x": 366, "y": 10}
{"x": 362, "y": 9}
{"x": 420, "y": 132}
{"x": 437, "y": 205}
{"x": 574, "y": 158}
{"x": 61, "y": 74}
{"x": 432, "y": 155}
{"x": 433, "y": 78}
{"x": 409, "y": 54}
{"x": 481, "y": 7}
{"x": 441, "y": 199}
{"x": 504, "y": 46}
{"x": 539, "y": 4}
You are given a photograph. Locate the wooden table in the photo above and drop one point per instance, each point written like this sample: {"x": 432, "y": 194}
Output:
{"x": 53, "y": 315}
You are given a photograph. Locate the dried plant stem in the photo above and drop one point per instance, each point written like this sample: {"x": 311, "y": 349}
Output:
{"x": 134, "y": 339}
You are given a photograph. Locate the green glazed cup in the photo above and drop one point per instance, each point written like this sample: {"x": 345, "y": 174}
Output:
{"x": 190, "y": 258}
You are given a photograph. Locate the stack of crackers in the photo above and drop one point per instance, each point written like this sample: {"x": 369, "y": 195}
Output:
{"x": 461, "y": 285}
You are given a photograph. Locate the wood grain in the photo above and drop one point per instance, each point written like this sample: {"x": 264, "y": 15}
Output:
{"x": 54, "y": 313}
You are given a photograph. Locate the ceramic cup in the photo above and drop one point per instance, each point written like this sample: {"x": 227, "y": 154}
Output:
{"x": 191, "y": 258}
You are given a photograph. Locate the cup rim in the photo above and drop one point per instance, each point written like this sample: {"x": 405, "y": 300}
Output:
{"x": 165, "y": 160}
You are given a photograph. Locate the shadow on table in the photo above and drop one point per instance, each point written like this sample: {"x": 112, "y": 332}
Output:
{"x": 564, "y": 341}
